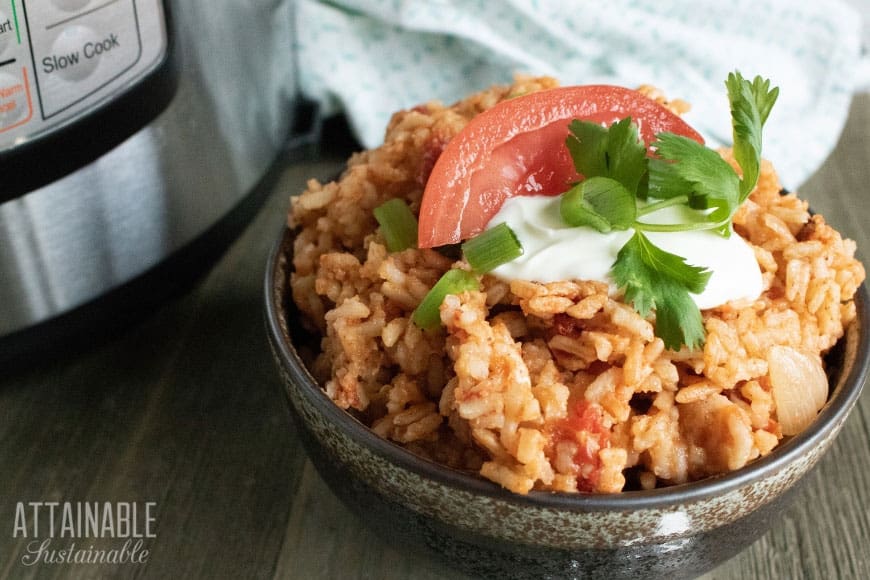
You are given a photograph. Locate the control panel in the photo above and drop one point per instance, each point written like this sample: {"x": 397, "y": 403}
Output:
{"x": 61, "y": 58}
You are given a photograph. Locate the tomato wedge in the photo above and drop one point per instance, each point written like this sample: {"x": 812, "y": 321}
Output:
{"x": 518, "y": 148}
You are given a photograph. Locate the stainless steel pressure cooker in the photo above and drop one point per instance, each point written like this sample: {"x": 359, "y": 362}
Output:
{"x": 129, "y": 129}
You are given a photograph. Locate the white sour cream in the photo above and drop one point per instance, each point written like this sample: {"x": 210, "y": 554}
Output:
{"x": 554, "y": 251}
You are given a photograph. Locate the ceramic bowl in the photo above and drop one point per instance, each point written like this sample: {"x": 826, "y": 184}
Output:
{"x": 488, "y": 532}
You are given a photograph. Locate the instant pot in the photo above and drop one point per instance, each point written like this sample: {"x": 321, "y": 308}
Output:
{"x": 131, "y": 131}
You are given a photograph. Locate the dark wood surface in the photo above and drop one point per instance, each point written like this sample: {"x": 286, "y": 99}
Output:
{"x": 185, "y": 409}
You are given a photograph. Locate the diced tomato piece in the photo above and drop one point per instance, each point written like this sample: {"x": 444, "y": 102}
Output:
{"x": 584, "y": 426}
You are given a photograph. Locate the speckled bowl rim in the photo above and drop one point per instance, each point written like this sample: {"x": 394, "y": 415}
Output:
{"x": 831, "y": 417}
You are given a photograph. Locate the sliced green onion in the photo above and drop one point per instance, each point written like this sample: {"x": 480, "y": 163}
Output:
{"x": 601, "y": 203}
{"x": 398, "y": 225}
{"x": 492, "y": 248}
{"x": 577, "y": 211}
{"x": 427, "y": 315}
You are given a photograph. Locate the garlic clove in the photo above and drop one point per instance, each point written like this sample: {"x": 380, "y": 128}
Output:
{"x": 799, "y": 385}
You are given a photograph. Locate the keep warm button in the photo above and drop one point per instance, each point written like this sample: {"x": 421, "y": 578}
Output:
{"x": 76, "y": 52}
{"x": 15, "y": 106}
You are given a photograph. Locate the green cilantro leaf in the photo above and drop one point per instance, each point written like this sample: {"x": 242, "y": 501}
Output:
{"x": 665, "y": 181}
{"x": 714, "y": 184}
{"x": 615, "y": 152}
{"x": 678, "y": 319}
{"x": 600, "y": 203}
{"x": 655, "y": 279}
{"x": 587, "y": 143}
{"x": 751, "y": 103}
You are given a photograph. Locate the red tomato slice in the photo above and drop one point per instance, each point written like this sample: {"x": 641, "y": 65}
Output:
{"x": 518, "y": 148}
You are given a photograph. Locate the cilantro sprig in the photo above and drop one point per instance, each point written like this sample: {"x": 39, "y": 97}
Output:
{"x": 750, "y": 106}
{"x": 656, "y": 279}
{"x": 621, "y": 182}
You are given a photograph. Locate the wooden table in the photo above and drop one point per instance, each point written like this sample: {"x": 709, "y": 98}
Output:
{"x": 184, "y": 410}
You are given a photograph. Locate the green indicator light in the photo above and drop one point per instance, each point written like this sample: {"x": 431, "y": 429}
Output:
{"x": 15, "y": 18}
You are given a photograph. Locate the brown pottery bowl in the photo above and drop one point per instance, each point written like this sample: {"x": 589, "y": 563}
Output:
{"x": 488, "y": 532}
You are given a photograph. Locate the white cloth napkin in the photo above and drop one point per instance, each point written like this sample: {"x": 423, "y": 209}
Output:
{"x": 373, "y": 57}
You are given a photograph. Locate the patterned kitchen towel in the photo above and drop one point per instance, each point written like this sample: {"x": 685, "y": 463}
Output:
{"x": 373, "y": 57}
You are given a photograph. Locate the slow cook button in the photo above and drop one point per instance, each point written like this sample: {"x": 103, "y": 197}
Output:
{"x": 68, "y": 57}
{"x": 13, "y": 99}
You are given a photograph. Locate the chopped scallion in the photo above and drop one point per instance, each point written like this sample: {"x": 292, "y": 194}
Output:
{"x": 427, "y": 315}
{"x": 601, "y": 203}
{"x": 492, "y": 248}
{"x": 398, "y": 225}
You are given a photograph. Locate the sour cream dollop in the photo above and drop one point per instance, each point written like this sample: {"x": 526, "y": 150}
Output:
{"x": 554, "y": 251}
